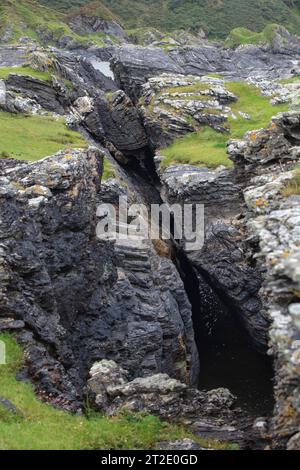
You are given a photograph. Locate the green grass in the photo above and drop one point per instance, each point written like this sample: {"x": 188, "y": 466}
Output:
{"x": 42, "y": 427}
{"x": 34, "y": 137}
{"x": 293, "y": 186}
{"x": 27, "y": 71}
{"x": 286, "y": 81}
{"x": 108, "y": 170}
{"x": 208, "y": 147}
{"x": 31, "y": 19}
{"x": 216, "y": 17}
{"x": 242, "y": 36}
{"x": 194, "y": 88}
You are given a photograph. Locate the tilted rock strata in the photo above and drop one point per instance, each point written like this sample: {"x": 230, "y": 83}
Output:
{"x": 82, "y": 299}
{"x": 134, "y": 65}
{"x": 223, "y": 257}
{"x": 170, "y": 112}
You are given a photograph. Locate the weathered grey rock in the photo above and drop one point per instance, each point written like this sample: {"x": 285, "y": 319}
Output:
{"x": 215, "y": 189}
{"x": 121, "y": 123}
{"x": 78, "y": 68}
{"x": 84, "y": 24}
{"x": 157, "y": 394}
{"x": 274, "y": 221}
{"x": 11, "y": 324}
{"x": 15, "y": 55}
{"x": 15, "y": 103}
{"x": 50, "y": 97}
{"x": 222, "y": 261}
{"x": 169, "y": 113}
{"x": 134, "y": 65}
{"x": 82, "y": 298}
{"x": 183, "y": 444}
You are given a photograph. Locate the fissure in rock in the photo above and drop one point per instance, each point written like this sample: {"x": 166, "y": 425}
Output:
{"x": 228, "y": 357}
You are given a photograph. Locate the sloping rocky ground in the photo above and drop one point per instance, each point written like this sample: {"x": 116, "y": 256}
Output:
{"x": 74, "y": 300}
{"x": 133, "y": 65}
{"x": 169, "y": 113}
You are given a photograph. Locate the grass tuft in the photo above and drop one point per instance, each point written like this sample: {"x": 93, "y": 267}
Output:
{"x": 293, "y": 186}
{"x": 108, "y": 170}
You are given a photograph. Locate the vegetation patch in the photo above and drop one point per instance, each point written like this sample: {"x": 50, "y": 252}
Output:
{"x": 242, "y": 36}
{"x": 19, "y": 18}
{"x": 39, "y": 426}
{"x": 287, "y": 81}
{"x": 293, "y": 186}
{"x": 208, "y": 147}
{"x": 34, "y": 137}
{"x": 108, "y": 170}
{"x": 25, "y": 70}
{"x": 215, "y": 17}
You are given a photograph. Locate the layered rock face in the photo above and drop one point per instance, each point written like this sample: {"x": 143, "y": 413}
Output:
{"x": 84, "y": 24}
{"x": 134, "y": 65}
{"x": 222, "y": 261}
{"x": 266, "y": 159}
{"x": 75, "y": 299}
{"x": 52, "y": 97}
{"x": 173, "y": 105}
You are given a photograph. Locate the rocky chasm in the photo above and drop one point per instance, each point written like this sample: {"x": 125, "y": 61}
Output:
{"x": 183, "y": 335}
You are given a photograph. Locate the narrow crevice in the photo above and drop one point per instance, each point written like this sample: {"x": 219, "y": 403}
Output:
{"x": 227, "y": 356}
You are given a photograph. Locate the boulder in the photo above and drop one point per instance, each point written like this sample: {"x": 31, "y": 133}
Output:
{"x": 157, "y": 394}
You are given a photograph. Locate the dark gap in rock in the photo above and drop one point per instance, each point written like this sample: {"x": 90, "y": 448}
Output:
{"x": 227, "y": 355}
{"x": 293, "y": 135}
{"x": 143, "y": 167}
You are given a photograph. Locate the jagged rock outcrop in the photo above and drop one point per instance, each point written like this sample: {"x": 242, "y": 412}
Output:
{"x": 266, "y": 159}
{"x": 266, "y": 147}
{"x": 78, "y": 68}
{"x": 284, "y": 42}
{"x": 222, "y": 261}
{"x": 85, "y": 24}
{"x": 76, "y": 299}
{"x": 122, "y": 123}
{"x": 215, "y": 189}
{"x": 15, "y": 103}
{"x": 51, "y": 96}
{"x": 158, "y": 394}
{"x": 173, "y": 105}
{"x": 134, "y": 65}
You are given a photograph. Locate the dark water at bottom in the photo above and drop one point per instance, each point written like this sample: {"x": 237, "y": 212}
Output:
{"x": 227, "y": 359}
{"x": 227, "y": 355}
